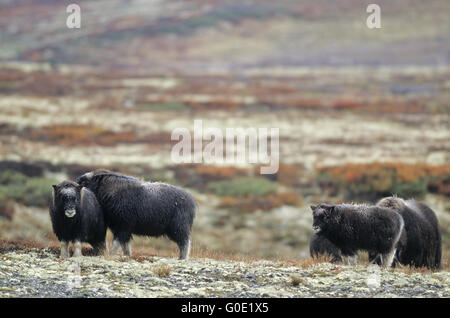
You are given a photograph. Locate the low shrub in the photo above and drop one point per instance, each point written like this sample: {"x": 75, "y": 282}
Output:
{"x": 12, "y": 177}
{"x": 261, "y": 203}
{"x": 33, "y": 191}
{"x": 297, "y": 280}
{"x": 69, "y": 135}
{"x": 242, "y": 187}
{"x": 373, "y": 180}
{"x": 162, "y": 270}
{"x": 288, "y": 174}
{"x": 6, "y": 208}
{"x": 215, "y": 173}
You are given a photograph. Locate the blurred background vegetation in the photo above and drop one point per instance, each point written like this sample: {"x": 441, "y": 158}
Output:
{"x": 362, "y": 113}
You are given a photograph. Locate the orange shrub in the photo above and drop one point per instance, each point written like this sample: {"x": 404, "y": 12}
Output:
{"x": 346, "y": 104}
{"x": 386, "y": 178}
{"x": 406, "y": 172}
{"x": 66, "y": 134}
{"x": 288, "y": 175}
{"x": 82, "y": 135}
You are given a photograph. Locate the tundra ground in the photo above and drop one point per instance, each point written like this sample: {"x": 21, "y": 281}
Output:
{"x": 40, "y": 273}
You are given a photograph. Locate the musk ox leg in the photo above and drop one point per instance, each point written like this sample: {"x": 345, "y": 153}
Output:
{"x": 77, "y": 249}
{"x": 336, "y": 259}
{"x": 115, "y": 246}
{"x": 396, "y": 263}
{"x": 388, "y": 258}
{"x": 351, "y": 259}
{"x": 374, "y": 258}
{"x": 100, "y": 248}
{"x": 121, "y": 240}
{"x": 64, "y": 250}
{"x": 185, "y": 249}
{"x": 183, "y": 240}
{"x": 180, "y": 233}
{"x": 126, "y": 248}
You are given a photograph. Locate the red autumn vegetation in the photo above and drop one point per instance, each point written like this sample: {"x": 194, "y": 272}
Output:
{"x": 88, "y": 135}
{"x": 287, "y": 174}
{"x": 388, "y": 178}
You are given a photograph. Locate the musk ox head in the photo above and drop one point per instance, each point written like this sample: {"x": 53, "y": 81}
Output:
{"x": 85, "y": 179}
{"x": 90, "y": 178}
{"x": 66, "y": 197}
{"x": 321, "y": 215}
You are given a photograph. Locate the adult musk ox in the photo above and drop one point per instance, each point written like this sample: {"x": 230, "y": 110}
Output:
{"x": 359, "y": 227}
{"x": 77, "y": 217}
{"x": 132, "y": 206}
{"x": 319, "y": 245}
{"x": 423, "y": 238}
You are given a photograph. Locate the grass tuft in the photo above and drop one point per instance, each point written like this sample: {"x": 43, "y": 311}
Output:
{"x": 297, "y": 280}
{"x": 162, "y": 270}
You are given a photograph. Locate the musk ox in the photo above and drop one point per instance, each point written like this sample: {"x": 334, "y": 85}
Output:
{"x": 132, "y": 206}
{"x": 320, "y": 245}
{"x": 359, "y": 227}
{"x": 423, "y": 245}
{"x": 77, "y": 217}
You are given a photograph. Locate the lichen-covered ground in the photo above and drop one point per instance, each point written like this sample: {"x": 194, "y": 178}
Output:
{"x": 40, "y": 273}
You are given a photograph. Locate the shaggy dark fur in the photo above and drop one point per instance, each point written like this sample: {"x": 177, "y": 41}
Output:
{"x": 320, "y": 245}
{"x": 423, "y": 238}
{"x": 375, "y": 258}
{"x": 132, "y": 206}
{"x": 77, "y": 216}
{"x": 358, "y": 227}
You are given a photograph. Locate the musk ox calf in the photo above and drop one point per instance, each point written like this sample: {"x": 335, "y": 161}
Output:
{"x": 320, "y": 245}
{"x": 77, "y": 217}
{"x": 132, "y": 206}
{"x": 423, "y": 245}
{"x": 359, "y": 227}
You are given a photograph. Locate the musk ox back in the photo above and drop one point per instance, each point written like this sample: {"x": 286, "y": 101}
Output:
{"x": 423, "y": 238}
{"x": 132, "y": 206}
{"x": 77, "y": 217}
{"x": 359, "y": 227}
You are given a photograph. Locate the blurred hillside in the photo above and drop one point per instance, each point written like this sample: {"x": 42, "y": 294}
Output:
{"x": 201, "y": 36}
{"x": 362, "y": 113}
